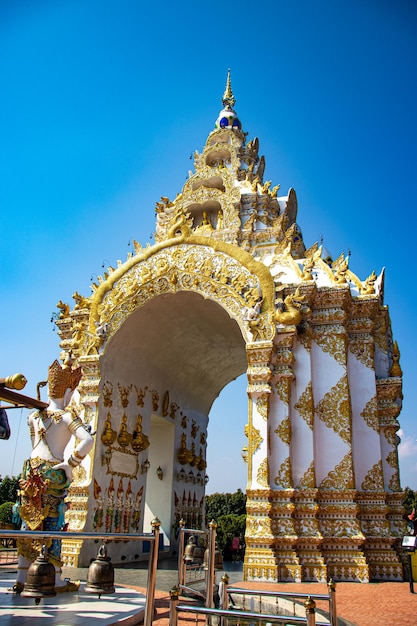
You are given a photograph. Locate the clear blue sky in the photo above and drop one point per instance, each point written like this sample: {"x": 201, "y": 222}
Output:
{"x": 103, "y": 103}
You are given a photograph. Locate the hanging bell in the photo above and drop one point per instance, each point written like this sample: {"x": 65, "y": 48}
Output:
{"x": 199, "y": 550}
{"x": 100, "y": 577}
{"x": 40, "y": 580}
{"x": 218, "y": 559}
{"x": 189, "y": 550}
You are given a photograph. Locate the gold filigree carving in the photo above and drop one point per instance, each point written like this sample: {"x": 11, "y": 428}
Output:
{"x": 262, "y": 404}
{"x": 390, "y": 436}
{"x": 79, "y": 475}
{"x": 283, "y": 478}
{"x": 363, "y": 351}
{"x": 263, "y": 473}
{"x": 283, "y": 388}
{"x": 308, "y": 479}
{"x": 341, "y": 477}
{"x": 374, "y": 480}
{"x": 305, "y": 405}
{"x": 334, "y": 410}
{"x": 284, "y": 431}
{"x": 124, "y": 394}
{"x": 370, "y": 414}
{"x": 162, "y": 269}
{"x": 333, "y": 342}
{"x": 392, "y": 459}
{"x": 107, "y": 394}
{"x": 254, "y": 438}
{"x": 140, "y": 395}
{"x": 394, "y": 483}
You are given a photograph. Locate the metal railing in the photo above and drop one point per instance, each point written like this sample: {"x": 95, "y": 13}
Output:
{"x": 225, "y": 613}
{"x": 224, "y": 616}
{"x": 153, "y": 538}
{"x": 330, "y": 597}
{"x": 190, "y": 573}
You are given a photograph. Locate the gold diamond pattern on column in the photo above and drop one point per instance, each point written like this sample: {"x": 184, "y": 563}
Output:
{"x": 370, "y": 414}
{"x": 284, "y": 431}
{"x": 341, "y": 477}
{"x": 284, "y": 478}
{"x": 374, "y": 480}
{"x": 334, "y": 410}
{"x": 305, "y": 406}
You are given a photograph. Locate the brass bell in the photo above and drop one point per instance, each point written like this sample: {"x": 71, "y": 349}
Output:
{"x": 199, "y": 550}
{"x": 189, "y": 550}
{"x": 40, "y": 580}
{"x": 218, "y": 559}
{"x": 100, "y": 577}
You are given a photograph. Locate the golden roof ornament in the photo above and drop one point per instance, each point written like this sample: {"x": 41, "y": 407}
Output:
{"x": 227, "y": 116}
{"x": 228, "y": 98}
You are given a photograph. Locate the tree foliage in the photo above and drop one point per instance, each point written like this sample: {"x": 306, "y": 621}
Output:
{"x": 228, "y": 510}
{"x": 229, "y": 526}
{"x": 8, "y": 489}
{"x": 410, "y": 500}
{"x": 6, "y": 513}
{"x": 219, "y": 504}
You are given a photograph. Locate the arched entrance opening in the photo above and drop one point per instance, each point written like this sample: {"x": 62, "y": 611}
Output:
{"x": 178, "y": 351}
{"x": 226, "y": 439}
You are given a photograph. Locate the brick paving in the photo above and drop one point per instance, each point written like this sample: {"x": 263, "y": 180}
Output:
{"x": 358, "y": 604}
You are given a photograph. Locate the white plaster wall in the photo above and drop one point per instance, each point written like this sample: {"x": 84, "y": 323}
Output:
{"x": 302, "y": 443}
{"x": 329, "y": 449}
{"x": 366, "y": 448}
{"x": 159, "y": 492}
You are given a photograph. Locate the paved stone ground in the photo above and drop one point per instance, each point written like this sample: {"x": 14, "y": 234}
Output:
{"x": 366, "y": 604}
{"x": 358, "y": 604}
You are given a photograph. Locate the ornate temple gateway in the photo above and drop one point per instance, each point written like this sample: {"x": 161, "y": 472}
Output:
{"x": 230, "y": 287}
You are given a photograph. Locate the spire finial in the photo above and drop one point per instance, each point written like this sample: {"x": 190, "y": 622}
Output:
{"x": 228, "y": 98}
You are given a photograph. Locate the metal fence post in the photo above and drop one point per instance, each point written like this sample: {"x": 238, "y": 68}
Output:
{"x": 153, "y": 564}
{"x": 210, "y": 565}
{"x": 174, "y": 594}
{"x": 331, "y": 585}
{"x": 181, "y": 564}
{"x": 224, "y": 597}
{"x": 310, "y": 607}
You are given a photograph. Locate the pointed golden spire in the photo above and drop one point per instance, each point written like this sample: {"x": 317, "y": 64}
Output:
{"x": 228, "y": 98}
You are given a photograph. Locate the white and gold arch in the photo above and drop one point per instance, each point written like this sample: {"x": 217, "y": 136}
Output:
{"x": 229, "y": 287}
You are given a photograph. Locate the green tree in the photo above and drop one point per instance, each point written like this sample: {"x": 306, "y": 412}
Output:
{"x": 6, "y": 513}
{"x": 218, "y": 504}
{"x": 8, "y": 489}
{"x": 410, "y": 500}
{"x": 229, "y": 526}
{"x": 228, "y": 510}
